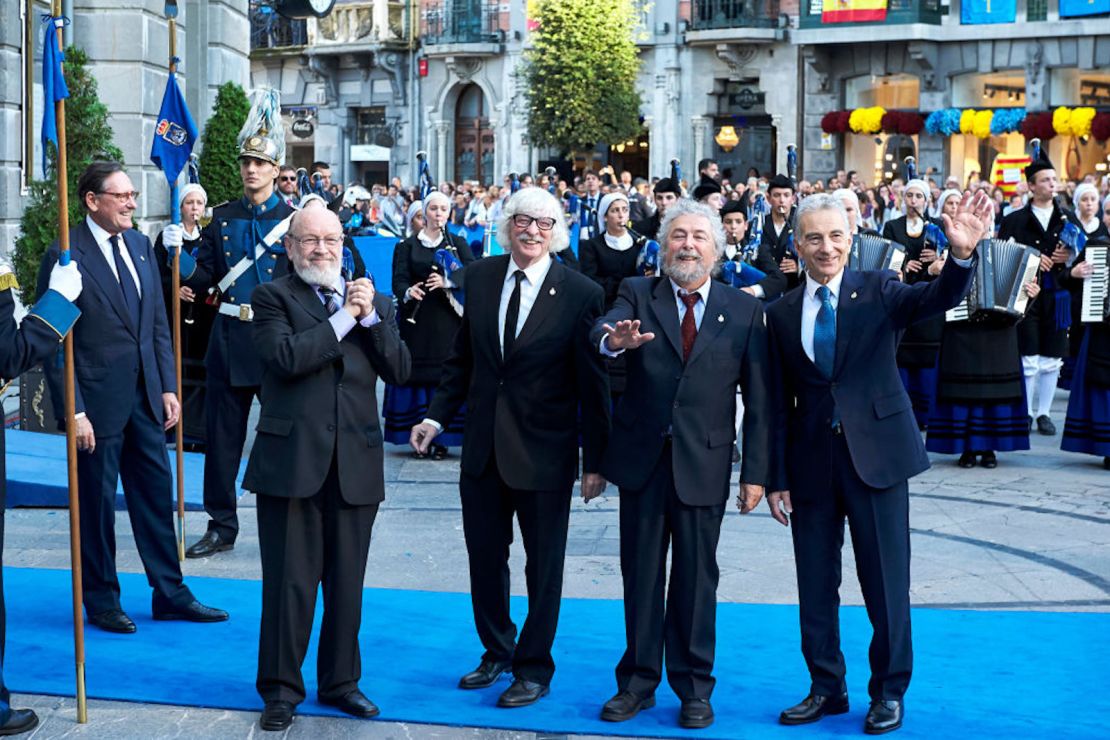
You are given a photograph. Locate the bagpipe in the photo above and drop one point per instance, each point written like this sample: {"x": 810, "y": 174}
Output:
{"x": 676, "y": 173}
{"x": 792, "y": 164}
{"x": 647, "y": 261}
{"x": 424, "y": 175}
{"x": 757, "y": 215}
{"x": 740, "y": 274}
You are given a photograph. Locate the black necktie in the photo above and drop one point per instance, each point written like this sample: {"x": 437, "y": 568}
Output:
{"x": 512, "y": 313}
{"x": 126, "y": 282}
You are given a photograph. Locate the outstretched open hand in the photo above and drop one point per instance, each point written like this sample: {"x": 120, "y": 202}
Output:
{"x": 970, "y": 225}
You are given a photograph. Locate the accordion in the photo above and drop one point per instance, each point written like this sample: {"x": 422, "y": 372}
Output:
{"x": 872, "y": 252}
{"x": 998, "y": 285}
{"x": 1096, "y": 296}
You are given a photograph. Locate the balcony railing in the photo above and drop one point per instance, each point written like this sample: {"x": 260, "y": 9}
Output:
{"x": 360, "y": 22}
{"x": 713, "y": 14}
{"x": 897, "y": 12}
{"x": 463, "y": 22}
{"x": 272, "y": 31}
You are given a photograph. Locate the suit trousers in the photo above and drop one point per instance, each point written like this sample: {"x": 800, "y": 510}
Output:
{"x": 879, "y": 521}
{"x": 306, "y": 543}
{"x": 137, "y": 454}
{"x": 488, "y": 505}
{"x": 651, "y": 520}
{"x": 226, "y": 410}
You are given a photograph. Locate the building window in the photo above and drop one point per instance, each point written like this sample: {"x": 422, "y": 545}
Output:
{"x": 370, "y": 126}
{"x": 1036, "y": 10}
{"x": 1004, "y": 89}
{"x": 893, "y": 92}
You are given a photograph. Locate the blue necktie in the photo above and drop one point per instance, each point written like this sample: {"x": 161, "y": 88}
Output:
{"x": 824, "y": 334}
{"x": 131, "y": 299}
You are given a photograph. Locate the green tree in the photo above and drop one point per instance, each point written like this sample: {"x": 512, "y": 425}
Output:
{"x": 580, "y": 74}
{"x": 88, "y": 138}
{"x": 219, "y": 156}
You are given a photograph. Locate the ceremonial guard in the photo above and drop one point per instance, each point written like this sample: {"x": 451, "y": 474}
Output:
{"x": 1043, "y": 334}
{"x": 778, "y": 234}
{"x": 240, "y": 249}
{"x": 917, "y": 352}
{"x": 426, "y": 281}
{"x": 23, "y": 347}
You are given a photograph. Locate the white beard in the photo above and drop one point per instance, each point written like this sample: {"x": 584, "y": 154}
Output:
{"x": 684, "y": 273}
{"x": 319, "y": 276}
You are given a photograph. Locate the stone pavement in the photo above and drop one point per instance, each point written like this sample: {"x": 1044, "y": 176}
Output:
{"x": 1033, "y": 534}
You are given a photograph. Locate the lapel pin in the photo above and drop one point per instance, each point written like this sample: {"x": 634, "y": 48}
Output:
{"x": 552, "y": 291}
{"x": 142, "y": 257}
{"x": 721, "y": 318}
{"x": 854, "y": 294}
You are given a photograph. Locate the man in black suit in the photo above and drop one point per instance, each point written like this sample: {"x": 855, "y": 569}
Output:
{"x": 316, "y": 464}
{"x": 846, "y": 443}
{"x": 22, "y": 347}
{"x": 671, "y": 455}
{"x": 125, "y": 401}
{"x": 524, "y": 364}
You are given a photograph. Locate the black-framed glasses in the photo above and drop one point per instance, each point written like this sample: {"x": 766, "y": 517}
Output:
{"x": 543, "y": 223}
{"x": 288, "y": 178}
{"x": 122, "y": 197}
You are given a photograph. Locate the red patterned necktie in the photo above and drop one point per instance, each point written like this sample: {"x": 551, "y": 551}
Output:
{"x": 689, "y": 326}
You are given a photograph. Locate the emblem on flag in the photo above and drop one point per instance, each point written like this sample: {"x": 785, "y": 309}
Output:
{"x": 172, "y": 132}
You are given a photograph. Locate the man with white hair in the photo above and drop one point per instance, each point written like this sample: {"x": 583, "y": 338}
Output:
{"x": 845, "y": 443}
{"x": 671, "y": 452}
{"x": 523, "y": 363}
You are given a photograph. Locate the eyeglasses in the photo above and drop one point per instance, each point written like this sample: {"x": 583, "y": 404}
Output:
{"x": 122, "y": 197}
{"x": 288, "y": 178}
{"x": 314, "y": 241}
{"x": 523, "y": 221}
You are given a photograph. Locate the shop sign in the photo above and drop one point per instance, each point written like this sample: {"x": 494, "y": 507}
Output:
{"x": 302, "y": 128}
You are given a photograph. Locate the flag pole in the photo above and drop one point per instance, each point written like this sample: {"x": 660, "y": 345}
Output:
{"x": 70, "y": 403}
{"x": 175, "y": 210}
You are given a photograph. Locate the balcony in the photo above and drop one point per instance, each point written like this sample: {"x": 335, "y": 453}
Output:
{"x": 272, "y": 31}
{"x": 462, "y": 27}
{"x": 354, "y": 25}
{"x": 735, "y": 21}
{"x": 897, "y": 12}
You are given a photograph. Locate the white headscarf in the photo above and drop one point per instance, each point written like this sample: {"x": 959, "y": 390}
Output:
{"x": 434, "y": 196}
{"x": 1083, "y": 188}
{"x": 922, "y": 186}
{"x": 188, "y": 190}
{"x": 607, "y": 201}
{"x": 950, "y": 193}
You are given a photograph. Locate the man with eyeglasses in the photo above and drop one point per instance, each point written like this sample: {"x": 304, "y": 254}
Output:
{"x": 125, "y": 398}
{"x": 523, "y": 363}
{"x": 240, "y": 249}
{"x": 287, "y": 185}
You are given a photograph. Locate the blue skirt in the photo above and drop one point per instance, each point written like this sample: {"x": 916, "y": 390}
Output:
{"x": 955, "y": 428}
{"x": 921, "y": 385}
{"x": 1087, "y": 428}
{"x": 405, "y": 406}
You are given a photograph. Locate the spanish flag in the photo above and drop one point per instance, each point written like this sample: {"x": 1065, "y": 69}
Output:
{"x": 853, "y": 11}
{"x": 1008, "y": 170}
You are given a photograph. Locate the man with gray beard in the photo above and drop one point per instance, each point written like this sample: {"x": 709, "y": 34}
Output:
{"x": 317, "y": 463}
{"x": 670, "y": 453}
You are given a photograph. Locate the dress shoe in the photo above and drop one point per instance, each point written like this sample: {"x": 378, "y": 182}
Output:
{"x": 276, "y": 715}
{"x": 113, "y": 620}
{"x": 990, "y": 460}
{"x": 883, "y": 716}
{"x": 353, "y": 703}
{"x": 695, "y": 714}
{"x": 439, "y": 452}
{"x": 1045, "y": 426}
{"x": 194, "y": 612}
{"x": 485, "y": 675}
{"x": 625, "y": 705}
{"x": 521, "y": 693}
{"x": 210, "y": 544}
{"x": 19, "y": 721}
{"x": 967, "y": 460}
{"x": 813, "y": 708}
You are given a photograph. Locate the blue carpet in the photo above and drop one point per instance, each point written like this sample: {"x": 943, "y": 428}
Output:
{"x": 37, "y": 473}
{"x": 978, "y": 674}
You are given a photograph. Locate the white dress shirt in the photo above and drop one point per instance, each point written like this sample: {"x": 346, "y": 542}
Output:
{"x": 1044, "y": 215}
{"x": 699, "y": 311}
{"x": 529, "y": 289}
{"x": 102, "y": 238}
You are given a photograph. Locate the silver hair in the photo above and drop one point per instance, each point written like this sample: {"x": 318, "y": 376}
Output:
{"x": 821, "y": 202}
{"x": 689, "y": 207}
{"x": 538, "y": 203}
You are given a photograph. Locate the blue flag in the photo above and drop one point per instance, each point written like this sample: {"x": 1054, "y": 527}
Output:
{"x": 53, "y": 85}
{"x": 1078, "y": 8}
{"x": 175, "y": 133}
{"x": 974, "y": 12}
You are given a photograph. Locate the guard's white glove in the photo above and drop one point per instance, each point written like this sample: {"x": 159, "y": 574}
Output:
{"x": 173, "y": 236}
{"x": 66, "y": 279}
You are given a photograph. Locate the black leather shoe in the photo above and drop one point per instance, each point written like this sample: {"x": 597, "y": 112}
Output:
{"x": 813, "y": 708}
{"x": 1106, "y": 463}
{"x": 883, "y": 716}
{"x": 967, "y": 460}
{"x": 194, "y": 612}
{"x": 990, "y": 460}
{"x": 276, "y": 715}
{"x": 521, "y": 693}
{"x": 353, "y": 703}
{"x": 695, "y": 714}
{"x": 625, "y": 705}
{"x": 19, "y": 721}
{"x": 210, "y": 544}
{"x": 485, "y": 675}
{"x": 113, "y": 620}
{"x": 1045, "y": 426}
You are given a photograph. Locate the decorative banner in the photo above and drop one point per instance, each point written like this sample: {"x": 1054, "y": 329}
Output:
{"x": 853, "y": 11}
{"x": 1079, "y": 8}
{"x": 973, "y": 12}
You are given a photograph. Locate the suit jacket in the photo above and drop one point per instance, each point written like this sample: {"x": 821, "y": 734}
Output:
{"x": 318, "y": 395}
{"x": 695, "y": 401}
{"x": 111, "y": 354}
{"x": 865, "y": 389}
{"x": 524, "y": 409}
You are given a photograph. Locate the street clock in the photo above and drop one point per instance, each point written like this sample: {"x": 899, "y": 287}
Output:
{"x": 303, "y": 8}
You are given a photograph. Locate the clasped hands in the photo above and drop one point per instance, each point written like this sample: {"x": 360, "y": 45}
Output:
{"x": 360, "y": 298}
